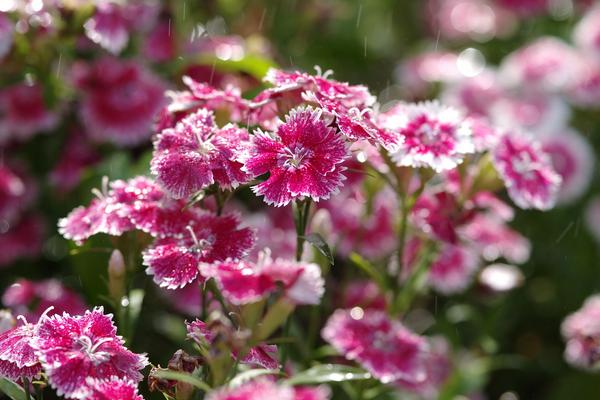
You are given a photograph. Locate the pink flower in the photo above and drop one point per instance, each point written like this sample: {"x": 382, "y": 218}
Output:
{"x": 453, "y": 269}
{"x": 364, "y": 294}
{"x": 24, "y": 113}
{"x": 584, "y": 90}
{"x": 23, "y": 239}
{"x": 312, "y": 393}
{"x": 17, "y": 357}
{"x": 176, "y": 261}
{"x": 258, "y": 389}
{"x": 17, "y": 192}
{"x": 384, "y": 347}
{"x": 573, "y": 159}
{"x": 76, "y": 156}
{"x": 73, "y": 349}
{"x": 246, "y": 282}
{"x": 493, "y": 238}
{"x": 6, "y": 35}
{"x": 586, "y": 34}
{"x": 544, "y": 64}
{"x": 439, "y": 367}
{"x": 31, "y": 299}
{"x": 196, "y": 154}
{"x": 159, "y": 45}
{"x": 475, "y": 94}
{"x": 120, "y": 100}
{"x": 108, "y": 27}
{"x": 420, "y": 71}
{"x": 263, "y": 355}
{"x": 581, "y": 331}
{"x": 428, "y": 135}
{"x": 303, "y": 159}
{"x": 112, "y": 388}
{"x": 527, "y": 172}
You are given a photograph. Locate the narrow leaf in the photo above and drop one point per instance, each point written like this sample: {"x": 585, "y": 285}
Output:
{"x": 183, "y": 377}
{"x": 328, "y": 373}
{"x": 250, "y": 374}
{"x": 370, "y": 270}
{"x": 321, "y": 245}
{"x": 12, "y": 390}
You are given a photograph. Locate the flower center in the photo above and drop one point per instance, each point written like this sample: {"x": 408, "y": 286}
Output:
{"x": 295, "y": 158}
{"x": 90, "y": 349}
{"x": 524, "y": 165}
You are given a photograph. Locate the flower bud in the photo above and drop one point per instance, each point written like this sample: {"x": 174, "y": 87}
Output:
{"x": 116, "y": 275}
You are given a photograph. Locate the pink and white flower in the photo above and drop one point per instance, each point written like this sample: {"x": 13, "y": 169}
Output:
{"x": 303, "y": 159}
{"x": 17, "y": 357}
{"x": 384, "y": 347}
{"x": 120, "y": 100}
{"x": 73, "y": 349}
{"x": 258, "y": 389}
{"x": 453, "y": 269}
{"x": 175, "y": 261}
{"x": 429, "y": 135}
{"x": 573, "y": 159}
{"x": 197, "y": 153}
{"x": 245, "y": 282}
{"x": 581, "y": 331}
{"x": 108, "y": 27}
{"x": 112, "y": 388}
{"x": 526, "y": 171}
{"x": 586, "y": 34}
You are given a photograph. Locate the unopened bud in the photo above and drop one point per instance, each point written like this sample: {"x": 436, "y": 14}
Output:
{"x": 116, "y": 275}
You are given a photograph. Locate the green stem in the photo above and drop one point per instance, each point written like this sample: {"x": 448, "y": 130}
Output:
{"x": 204, "y": 299}
{"x": 416, "y": 281}
{"x": 26, "y": 388}
{"x": 301, "y": 210}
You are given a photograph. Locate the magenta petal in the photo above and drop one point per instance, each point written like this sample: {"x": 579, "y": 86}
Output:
{"x": 182, "y": 174}
{"x": 172, "y": 266}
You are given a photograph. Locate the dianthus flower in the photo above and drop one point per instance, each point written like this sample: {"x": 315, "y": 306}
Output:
{"x": 303, "y": 159}
{"x": 382, "y": 346}
{"x": 17, "y": 357}
{"x": 73, "y": 349}
{"x": 586, "y": 34}
{"x": 196, "y": 153}
{"x": 265, "y": 389}
{"x": 6, "y": 35}
{"x": 246, "y": 282}
{"x": 112, "y": 388}
{"x": 428, "y": 135}
{"x": 175, "y": 261}
{"x": 120, "y": 100}
{"x": 527, "y": 172}
{"x": 581, "y": 331}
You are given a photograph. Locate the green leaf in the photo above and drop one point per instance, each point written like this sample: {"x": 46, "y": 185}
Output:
{"x": 320, "y": 244}
{"x": 12, "y": 390}
{"x": 250, "y": 374}
{"x": 328, "y": 373}
{"x": 277, "y": 314}
{"x": 369, "y": 269}
{"x": 183, "y": 377}
{"x": 251, "y": 64}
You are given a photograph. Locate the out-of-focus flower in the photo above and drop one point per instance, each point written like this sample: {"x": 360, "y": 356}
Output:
{"x": 573, "y": 159}
{"x": 312, "y": 393}
{"x": 206, "y": 239}
{"x": 258, "y": 389}
{"x": 363, "y": 294}
{"x": 584, "y": 88}
{"x": 303, "y": 158}
{"x": 31, "y": 299}
{"x": 73, "y": 349}
{"x": 17, "y": 357}
{"x": 527, "y": 172}
{"x": 197, "y": 153}
{"x": 77, "y": 155}
{"x": 108, "y": 27}
{"x": 22, "y": 239}
{"x": 6, "y": 35}
{"x": 246, "y": 282}
{"x": 17, "y": 192}
{"x": 429, "y": 135}
{"x": 501, "y": 277}
{"x": 112, "y": 388}
{"x": 581, "y": 331}
{"x": 453, "y": 269}
{"x": 159, "y": 45}
{"x": 544, "y": 64}
{"x": 417, "y": 73}
{"x": 120, "y": 100}
{"x": 525, "y": 7}
{"x": 384, "y": 347}
{"x": 7, "y": 321}
{"x": 24, "y": 113}
{"x": 365, "y": 228}
{"x": 470, "y": 19}
{"x": 475, "y": 94}
{"x": 586, "y": 34}
{"x": 439, "y": 367}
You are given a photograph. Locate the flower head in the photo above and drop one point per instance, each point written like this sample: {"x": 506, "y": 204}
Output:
{"x": 73, "y": 349}
{"x": 581, "y": 331}
{"x": 17, "y": 357}
{"x": 527, "y": 172}
{"x": 258, "y": 389}
{"x": 303, "y": 159}
{"x": 384, "y": 347}
{"x": 175, "y": 261}
{"x": 196, "y": 153}
{"x": 428, "y": 135}
{"x": 112, "y": 388}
